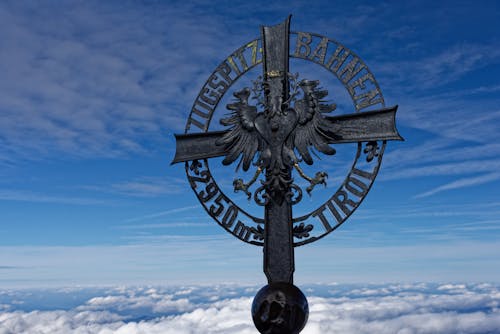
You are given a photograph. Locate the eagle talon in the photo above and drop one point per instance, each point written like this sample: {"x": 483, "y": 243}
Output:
{"x": 238, "y": 185}
{"x": 319, "y": 178}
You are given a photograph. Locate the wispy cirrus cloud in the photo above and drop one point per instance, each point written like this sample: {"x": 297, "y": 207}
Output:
{"x": 439, "y": 68}
{"x": 452, "y": 168}
{"x": 29, "y": 196}
{"x": 9, "y": 267}
{"x": 463, "y": 141}
{"x": 164, "y": 225}
{"x": 98, "y": 83}
{"x": 470, "y": 163}
{"x": 462, "y": 183}
{"x": 142, "y": 187}
{"x": 440, "y": 150}
{"x": 162, "y": 213}
{"x": 70, "y": 86}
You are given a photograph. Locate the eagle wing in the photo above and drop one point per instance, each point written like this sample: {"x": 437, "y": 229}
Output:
{"x": 312, "y": 129}
{"x": 242, "y": 138}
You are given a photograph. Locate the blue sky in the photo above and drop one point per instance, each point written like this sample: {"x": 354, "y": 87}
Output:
{"x": 91, "y": 94}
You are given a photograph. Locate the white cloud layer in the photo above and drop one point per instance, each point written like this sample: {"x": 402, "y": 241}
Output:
{"x": 403, "y": 309}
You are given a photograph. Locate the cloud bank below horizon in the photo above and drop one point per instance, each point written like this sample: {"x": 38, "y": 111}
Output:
{"x": 398, "y": 308}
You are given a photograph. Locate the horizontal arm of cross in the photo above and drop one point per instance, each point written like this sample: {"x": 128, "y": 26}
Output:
{"x": 194, "y": 146}
{"x": 352, "y": 128}
{"x": 366, "y": 126}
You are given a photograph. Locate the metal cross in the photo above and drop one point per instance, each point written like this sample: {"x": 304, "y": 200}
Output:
{"x": 352, "y": 128}
{"x": 274, "y": 135}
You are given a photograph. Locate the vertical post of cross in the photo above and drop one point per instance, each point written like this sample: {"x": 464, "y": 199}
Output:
{"x": 279, "y": 265}
{"x": 278, "y": 238}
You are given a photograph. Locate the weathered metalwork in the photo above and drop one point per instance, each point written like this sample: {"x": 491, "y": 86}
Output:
{"x": 273, "y": 126}
{"x": 287, "y": 306}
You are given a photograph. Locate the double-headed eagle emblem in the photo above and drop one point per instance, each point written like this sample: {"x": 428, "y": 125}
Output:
{"x": 280, "y": 136}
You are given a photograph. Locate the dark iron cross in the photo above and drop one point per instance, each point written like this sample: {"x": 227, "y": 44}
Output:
{"x": 352, "y": 128}
{"x": 274, "y": 134}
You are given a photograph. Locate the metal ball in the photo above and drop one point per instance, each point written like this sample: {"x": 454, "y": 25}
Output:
{"x": 280, "y": 308}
